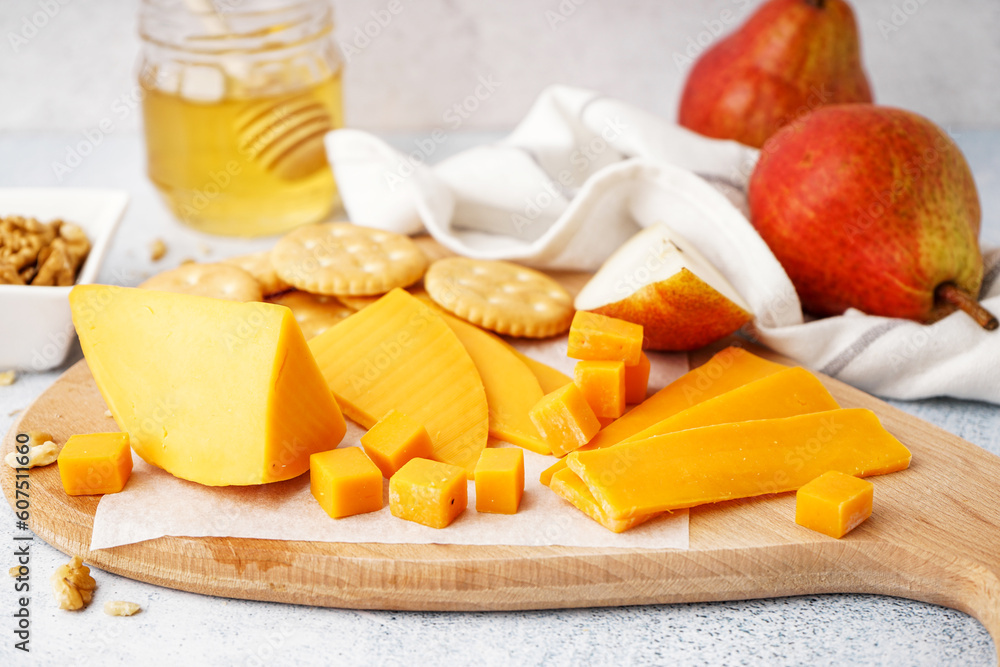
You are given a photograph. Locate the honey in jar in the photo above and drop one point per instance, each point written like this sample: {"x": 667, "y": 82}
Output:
{"x": 235, "y": 109}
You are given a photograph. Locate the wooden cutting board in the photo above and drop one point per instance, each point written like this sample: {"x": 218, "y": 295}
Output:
{"x": 934, "y": 536}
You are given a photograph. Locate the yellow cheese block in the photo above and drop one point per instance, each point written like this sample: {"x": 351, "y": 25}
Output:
{"x": 500, "y": 480}
{"x": 94, "y": 463}
{"x": 345, "y": 482}
{"x": 567, "y": 485}
{"x": 428, "y": 492}
{"x": 728, "y": 461}
{"x": 565, "y": 419}
{"x": 216, "y": 392}
{"x": 834, "y": 503}
{"x": 398, "y": 354}
{"x": 511, "y": 388}
{"x": 731, "y": 368}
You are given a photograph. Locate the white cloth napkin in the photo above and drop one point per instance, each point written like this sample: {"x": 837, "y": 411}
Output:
{"x": 583, "y": 172}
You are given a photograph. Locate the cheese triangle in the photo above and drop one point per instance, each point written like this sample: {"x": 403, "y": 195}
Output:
{"x": 216, "y": 392}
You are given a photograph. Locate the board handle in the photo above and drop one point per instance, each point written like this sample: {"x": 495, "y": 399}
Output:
{"x": 966, "y": 580}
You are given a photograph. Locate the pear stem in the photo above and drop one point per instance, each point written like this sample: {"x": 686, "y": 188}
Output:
{"x": 949, "y": 293}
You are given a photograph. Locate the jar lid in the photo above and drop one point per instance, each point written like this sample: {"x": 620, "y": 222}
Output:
{"x": 233, "y": 26}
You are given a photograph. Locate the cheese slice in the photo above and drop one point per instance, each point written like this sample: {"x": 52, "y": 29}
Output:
{"x": 731, "y": 368}
{"x": 567, "y": 485}
{"x": 787, "y": 393}
{"x": 739, "y": 460}
{"x": 398, "y": 354}
{"x": 511, "y": 388}
{"x": 216, "y": 392}
{"x": 549, "y": 378}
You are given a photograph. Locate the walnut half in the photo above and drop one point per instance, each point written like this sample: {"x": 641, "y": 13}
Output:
{"x": 72, "y": 585}
{"x": 42, "y": 451}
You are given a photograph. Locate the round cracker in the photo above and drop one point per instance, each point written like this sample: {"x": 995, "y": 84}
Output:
{"x": 216, "y": 280}
{"x": 339, "y": 258}
{"x": 258, "y": 265}
{"x": 503, "y": 297}
{"x": 315, "y": 313}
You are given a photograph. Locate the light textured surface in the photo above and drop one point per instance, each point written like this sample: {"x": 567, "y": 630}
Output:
{"x": 938, "y": 58}
{"x": 841, "y": 629}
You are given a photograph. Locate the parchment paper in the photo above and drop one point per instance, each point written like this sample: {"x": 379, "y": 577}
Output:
{"x": 154, "y": 503}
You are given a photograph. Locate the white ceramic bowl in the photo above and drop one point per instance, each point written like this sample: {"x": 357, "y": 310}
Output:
{"x": 36, "y": 329}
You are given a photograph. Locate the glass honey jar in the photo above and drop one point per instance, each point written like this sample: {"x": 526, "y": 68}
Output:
{"x": 238, "y": 95}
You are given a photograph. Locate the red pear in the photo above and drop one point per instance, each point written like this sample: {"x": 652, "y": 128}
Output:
{"x": 790, "y": 57}
{"x": 872, "y": 208}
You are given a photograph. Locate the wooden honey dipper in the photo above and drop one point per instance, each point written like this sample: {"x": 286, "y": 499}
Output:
{"x": 285, "y": 134}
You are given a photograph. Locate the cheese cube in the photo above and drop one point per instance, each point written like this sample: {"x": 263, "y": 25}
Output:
{"x": 603, "y": 385}
{"x": 95, "y": 463}
{"x": 595, "y": 337}
{"x": 428, "y": 492}
{"x": 565, "y": 419}
{"x": 395, "y": 440}
{"x": 345, "y": 482}
{"x": 834, "y": 503}
{"x": 500, "y": 480}
{"x": 637, "y": 380}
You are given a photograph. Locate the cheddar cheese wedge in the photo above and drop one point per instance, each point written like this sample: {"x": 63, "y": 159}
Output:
{"x": 216, "y": 392}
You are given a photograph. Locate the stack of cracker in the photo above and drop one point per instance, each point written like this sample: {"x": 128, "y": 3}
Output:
{"x": 325, "y": 272}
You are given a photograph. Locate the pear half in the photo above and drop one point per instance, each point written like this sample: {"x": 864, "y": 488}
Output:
{"x": 660, "y": 281}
